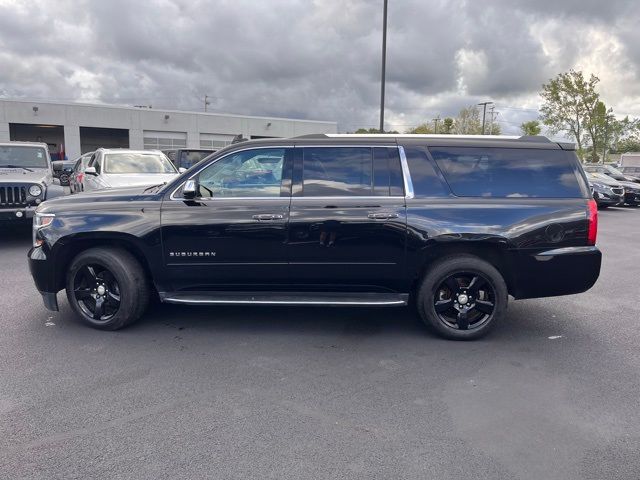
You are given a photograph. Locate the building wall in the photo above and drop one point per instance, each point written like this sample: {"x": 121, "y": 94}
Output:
{"x": 137, "y": 121}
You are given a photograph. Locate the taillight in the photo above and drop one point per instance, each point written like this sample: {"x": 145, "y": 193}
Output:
{"x": 593, "y": 222}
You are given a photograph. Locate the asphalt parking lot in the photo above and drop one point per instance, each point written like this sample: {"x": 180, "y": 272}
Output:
{"x": 552, "y": 393}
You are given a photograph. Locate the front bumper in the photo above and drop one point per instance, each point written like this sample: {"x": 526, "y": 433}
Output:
{"x": 561, "y": 271}
{"x": 632, "y": 198}
{"x": 608, "y": 199}
{"x": 17, "y": 214}
{"x": 43, "y": 275}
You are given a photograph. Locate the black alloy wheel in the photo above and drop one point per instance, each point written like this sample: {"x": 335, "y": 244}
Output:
{"x": 464, "y": 301}
{"x": 107, "y": 287}
{"x": 462, "y": 297}
{"x": 97, "y": 292}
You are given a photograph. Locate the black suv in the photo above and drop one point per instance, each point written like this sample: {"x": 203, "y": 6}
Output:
{"x": 451, "y": 224}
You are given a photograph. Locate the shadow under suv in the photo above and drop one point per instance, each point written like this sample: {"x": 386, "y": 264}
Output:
{"x": 452, "y": 224}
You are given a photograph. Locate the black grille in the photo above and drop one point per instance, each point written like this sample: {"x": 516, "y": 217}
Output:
{"x": 13, "y": 196}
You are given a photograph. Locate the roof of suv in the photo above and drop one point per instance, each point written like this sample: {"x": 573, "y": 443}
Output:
{"x": 504, "y": 141}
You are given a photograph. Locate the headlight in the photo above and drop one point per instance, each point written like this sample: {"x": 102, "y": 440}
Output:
{"x": 35, "y": 190}
{"x": 40, "y": 221}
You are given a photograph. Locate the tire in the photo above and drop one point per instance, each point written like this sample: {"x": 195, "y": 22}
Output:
{"x": 124, "y": 294}
{"x": 64, "y": 180}
{"x": 452, "y": 319}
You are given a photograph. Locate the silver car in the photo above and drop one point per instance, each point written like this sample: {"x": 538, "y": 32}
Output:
{"x": 114, "y": 168}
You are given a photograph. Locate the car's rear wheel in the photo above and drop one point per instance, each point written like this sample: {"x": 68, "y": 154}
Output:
{"x": 462, "y": 298}
{"x": 64, "y": 179}
{"x": 107, "y": 288}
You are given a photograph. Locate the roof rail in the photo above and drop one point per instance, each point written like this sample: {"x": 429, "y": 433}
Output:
{"x": 312, "y": 135}
{"x": 535, "y": 138}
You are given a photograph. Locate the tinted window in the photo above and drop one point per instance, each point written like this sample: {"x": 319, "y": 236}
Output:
{"x": 426, "y": 182}
{"x": 249, "y": 173}
{"x": 508, "y": 172}
{"x": 337, "y": 171}
{"x": 387, "y": 173}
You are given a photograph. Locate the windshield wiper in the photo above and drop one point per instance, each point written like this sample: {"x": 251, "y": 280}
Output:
{"x": 16, "y": 166}
{"x": 148, "y": 189}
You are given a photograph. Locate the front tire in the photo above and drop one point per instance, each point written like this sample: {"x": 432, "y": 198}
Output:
{"x": 462, "y": 297}
{"x": 107, "y": 288}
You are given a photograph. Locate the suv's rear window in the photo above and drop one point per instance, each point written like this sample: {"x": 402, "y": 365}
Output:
{"x": 508, "y": 172}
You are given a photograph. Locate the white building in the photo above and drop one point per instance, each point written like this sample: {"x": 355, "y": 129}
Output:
{"x": 77, "y": 128}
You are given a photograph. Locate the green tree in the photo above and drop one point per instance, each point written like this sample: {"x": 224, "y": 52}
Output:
{"x": 532, "y": 127}
{"x": 422, "y": 129}
{"x": 468, "y": 122}
{"x": 447, "y": 125}
{"x": 373, "y": 130}
{"x": 569, "y": 102}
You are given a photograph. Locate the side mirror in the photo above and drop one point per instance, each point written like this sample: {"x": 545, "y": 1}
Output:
{"x": 91, "y": 171}
{"x": 190, "y": 189}
{"x": 182, "y": 169}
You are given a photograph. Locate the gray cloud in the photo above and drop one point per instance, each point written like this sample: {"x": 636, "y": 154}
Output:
{"x": 317, "y": 59}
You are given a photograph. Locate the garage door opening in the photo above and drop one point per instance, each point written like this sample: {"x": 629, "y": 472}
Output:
{"x": 52, "y": 135}
{"x": 92, "y": 138}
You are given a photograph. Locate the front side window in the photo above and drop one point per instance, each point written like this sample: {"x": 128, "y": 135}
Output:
{"x": 129, "y": 162}
{"x": 19, "y": 156}
{"x": 249, "y": 173}
{"x": 508, "y": 172}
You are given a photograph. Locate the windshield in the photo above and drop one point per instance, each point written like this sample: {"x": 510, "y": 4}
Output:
{"x": 129, "y": 162}
{"x": 20, "y": 156}
{"x": 617, "y": 174}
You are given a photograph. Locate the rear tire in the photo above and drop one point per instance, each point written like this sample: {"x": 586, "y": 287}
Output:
{"x": 456, "y": 306}
{"x": 107, "y": 288}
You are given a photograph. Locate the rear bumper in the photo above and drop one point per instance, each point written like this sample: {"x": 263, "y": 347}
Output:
{"x": 561, "y": 271}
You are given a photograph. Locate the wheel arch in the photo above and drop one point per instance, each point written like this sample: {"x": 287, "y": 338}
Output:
{"x": 495, "y": 253}
{"x": 69, "y": 248}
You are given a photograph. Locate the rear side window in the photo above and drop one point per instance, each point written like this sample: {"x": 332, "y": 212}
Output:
{"x": 426, "y": 181}
{"x": 508, "y": 172}
{"x": 351, "y": 171}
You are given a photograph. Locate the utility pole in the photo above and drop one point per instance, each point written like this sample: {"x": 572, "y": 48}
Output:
{"x": 384, "y": 64}
{"x": 206, "y": 102}
{"x": 435, "y": 121}
{"x": 484, "y": 113}
{"x": 493, "y": 114}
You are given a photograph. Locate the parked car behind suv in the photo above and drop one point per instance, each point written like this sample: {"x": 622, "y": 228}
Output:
{"x": 611, "y": 172}
{"x": 26, "y": 179}
{"x": 187, "y": 157}
{"x": 62, "y": 170}
{"x": 606, "y": 191}
{"x": 76, "y": 179}
{"x": 110, "y": 168}
{"x": 451, "y": 224}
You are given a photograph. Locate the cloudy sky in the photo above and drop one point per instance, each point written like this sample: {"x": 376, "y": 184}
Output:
{"x": 318, "y": 59}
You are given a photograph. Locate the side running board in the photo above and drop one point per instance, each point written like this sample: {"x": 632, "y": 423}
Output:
{"x": 286, "y": 298}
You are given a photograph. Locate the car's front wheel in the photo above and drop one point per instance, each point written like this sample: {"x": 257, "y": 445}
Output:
{"x": 462, "y": 297}
{"x": 107, "y": 288}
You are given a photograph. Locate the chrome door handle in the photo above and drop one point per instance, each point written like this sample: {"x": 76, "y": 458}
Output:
{"x": 268, "y": 216}
{"x": 382, "y": 216}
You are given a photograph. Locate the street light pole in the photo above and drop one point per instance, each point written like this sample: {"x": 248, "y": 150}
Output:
{"x": 384, "y": 65}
